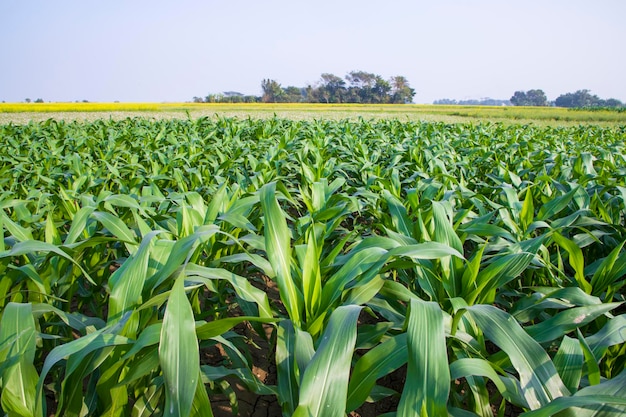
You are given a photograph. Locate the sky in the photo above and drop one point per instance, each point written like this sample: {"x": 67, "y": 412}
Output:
{"x": 167, "y": 51}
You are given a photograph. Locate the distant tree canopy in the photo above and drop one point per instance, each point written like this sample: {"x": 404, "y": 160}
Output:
{"x": 356, "y": 87}
{"x": 530, "y": 98}
{"x": 579, "y": 99}
{"x": 583, "y": 98}
{"x": 481, "y": 102}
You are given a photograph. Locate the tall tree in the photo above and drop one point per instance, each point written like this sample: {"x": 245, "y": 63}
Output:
{"x": 401, "y": 92}
{"x": 293, "y": 94}
{"x": 272, "y": 91}
{"x": 380, "y": 92}
{"x": 332, "y": 88}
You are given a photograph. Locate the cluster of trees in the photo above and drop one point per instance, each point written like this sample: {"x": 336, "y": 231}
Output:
{"x": 356, "y": 87}
{"x": 578, "y": 99}
{"x": 481, "y": 102}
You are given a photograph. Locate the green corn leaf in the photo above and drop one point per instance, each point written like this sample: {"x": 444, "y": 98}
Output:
{"x": 81, "y": 347}
{"x": 607, "y": 399}
{"x": 221, "y": 326}
{"x": 426, "y": 250}
{"x": 427, "y": 390}
{"x": 243, "y": 287}
{"x": 311, "y": 276}
{"x": 118, "y": 228}
{"x": 148, "y": 404}
{"x": 576, "y": 260}
{"x": 555, "y": 205}
{"x": 286, "y": 367}
{"x": 591, "y": 362}
{"x": 536, "y": 370}
{"x": 509, "y": 387}
{"x": 527, "y": 214}
{"x": 376, "y": 363}
{"x": 498, "y": 273}
{"x": 444, "y": 232}
{"x": 32, "y": 246}
{"x": 22, "y": 234}
{"x": 613, "y": 333}
{"x": 324, "y": 384}
{"x": 127, "y": 281}
{"x": 569, "y": 362}
{"x": 568, "y": 320}
{"x": 52, "y": 235}
{"x": 19, "y": 378}
{"x": 178, "y": 254}
{"x": 365, "y": 262}
{"x": 278, "y": 247}
{"x": 605, "y": 274}
{"x": 245, "y": 375}
{"x": 399, "y": 215}
{"x": 179, "y": 353}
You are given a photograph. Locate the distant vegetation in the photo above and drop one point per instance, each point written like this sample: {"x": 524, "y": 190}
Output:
{"x": 356, "y": 87}
{"x": 581, "y": 99}
{"x": 481, "y": 102}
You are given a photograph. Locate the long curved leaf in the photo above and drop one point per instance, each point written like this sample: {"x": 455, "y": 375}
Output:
{"x": 324, "y": 386}
{"x": 428, "y": 374}
{"x": 278, "y": 247}
{"x": 179, "y": 353}
{"x": 537, "y": 372}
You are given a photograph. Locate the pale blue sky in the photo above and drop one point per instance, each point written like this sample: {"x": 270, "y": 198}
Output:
{"x": 141, "y": 50}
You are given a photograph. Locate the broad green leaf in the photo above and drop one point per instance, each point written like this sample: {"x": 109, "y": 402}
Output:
{"x": 536, "y": 370}
{"x": 286, "y": 367}
{"x": 591, "y": 362}
{"x": 527, "y": 214}
{"x": 241, "y": 285}
{"x": 245, "y": 375}
{"x": 399, "y": 215}
{"x": 375, "y": 364}
{"x": 576, "y": 260}
{"x": 179, "y": 254}
{"x": 605, "y": 274}
{"x": 81, "y": 347}
{"x": 569, "y": 362}
{"x": 555, "y": 206}
{"x": 605, "y": 399}
{"x": 19, "y": 379}
{"x": 221, "y": 326}
{"x": 509, "y": 387}
{"x": 32, "y": 246}
{"x": 498, "y": 273}
{"x": 127, "y": 281}
{"x": 278, "y": 247}
{"x": 428, "y": 388}
{"x": 311, "y": 275}
{"x": 613, "y": 333}
{"x": 566, "y": 321}
{"x": 148, "y": 404}
{"x": 118, "y": 228}
{"x": 179, "y": 353}
{"x": 426, "y": 250}
{"x": 324, "y": 385}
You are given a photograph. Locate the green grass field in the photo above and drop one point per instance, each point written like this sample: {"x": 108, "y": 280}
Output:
{"x": 22, "y": 112}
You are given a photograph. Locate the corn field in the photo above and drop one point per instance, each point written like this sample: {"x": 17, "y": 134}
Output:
{"x": 381, "y": 267}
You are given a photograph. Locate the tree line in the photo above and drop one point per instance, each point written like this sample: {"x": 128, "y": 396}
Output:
{"x": 578, "y": 99}
{"x": 355, "y": 87}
